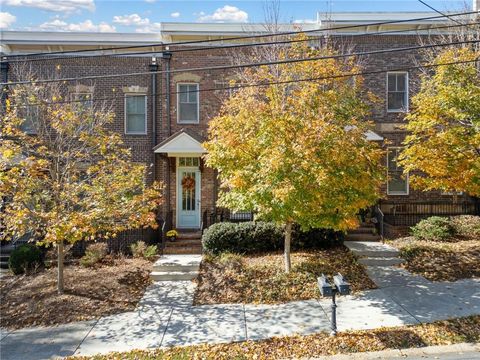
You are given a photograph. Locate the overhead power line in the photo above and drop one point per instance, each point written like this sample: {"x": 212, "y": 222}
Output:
{"x": 287, "y": 33}
{"x": 439, "y": 12}
{"x": 262, "y": 84}
{"x": 46, "y": 56}
{"x": 240, "y": 66}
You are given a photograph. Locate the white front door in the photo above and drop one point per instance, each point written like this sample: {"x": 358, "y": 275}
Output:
{"x": 188, "y": 199}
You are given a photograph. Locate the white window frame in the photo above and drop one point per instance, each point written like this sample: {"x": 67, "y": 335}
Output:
{"x": 76, "y": 98}
{"x": 178, "y": 103}
{"x": 28, "y": 110}
{"x": 388, "y": 173}
{"x": 125, "y": 114}
{"x": 407, "y": 97}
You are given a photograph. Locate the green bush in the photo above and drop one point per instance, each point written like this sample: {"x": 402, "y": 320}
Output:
{"x": 25, "y": 258}
{"x": 94, "y": 254}
{"x": 433, "y": 228}
{"x": 251, "y": 237}
{"x": 141, "y": 250}
{"x": 466, "y": 225}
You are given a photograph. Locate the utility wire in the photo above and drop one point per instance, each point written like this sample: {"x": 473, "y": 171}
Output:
{"x": 438, "y": 11}
{"x": 240, "y": 66}
{"x": 249, "y": 36}
{"x": 262, "y": 84}
{"x": 231, "y": 46}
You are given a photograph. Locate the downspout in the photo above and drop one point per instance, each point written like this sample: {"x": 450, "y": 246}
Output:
{"x": 167, "y": 55}
{"x": 154, "y": 68}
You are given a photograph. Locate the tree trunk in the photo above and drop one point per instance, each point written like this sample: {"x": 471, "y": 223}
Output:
{"x": 60, "y": 267}
{"x": 286, "y": 252}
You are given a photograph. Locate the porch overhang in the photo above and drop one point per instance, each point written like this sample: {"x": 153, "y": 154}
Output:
{"x": 372, "y": 136}
{"x": 183, "y": 143}
{"x": 369, "y": 134}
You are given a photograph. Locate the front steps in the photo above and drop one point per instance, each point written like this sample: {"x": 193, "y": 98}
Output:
{"x": 176, "y": 267}
{"x": 374, "y": 254}
{"x": 366, "y": 232}
{"x": 185, "y": 243}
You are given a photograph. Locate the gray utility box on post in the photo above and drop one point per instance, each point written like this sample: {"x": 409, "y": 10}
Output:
{"x": 339, "y": 286}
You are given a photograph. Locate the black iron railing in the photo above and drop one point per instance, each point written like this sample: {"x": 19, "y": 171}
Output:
{"x": 378, "y": 214}
{"x": 410, "y": 213}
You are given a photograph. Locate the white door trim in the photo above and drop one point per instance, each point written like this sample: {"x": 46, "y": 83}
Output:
{"x": 178, "y": 189}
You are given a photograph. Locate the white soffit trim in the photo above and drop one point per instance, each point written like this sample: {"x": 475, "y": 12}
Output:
{"x": 373, "y": 136}
{"x": 182, "y": 144}
{"x": 369, "y": 134}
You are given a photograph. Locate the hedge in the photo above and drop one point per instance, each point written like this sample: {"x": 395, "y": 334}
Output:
{"x": 251, "y": 237}
{"x": 24, "y": 259}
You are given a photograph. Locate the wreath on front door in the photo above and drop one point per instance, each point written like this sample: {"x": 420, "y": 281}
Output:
{"x": 188, "y": 183}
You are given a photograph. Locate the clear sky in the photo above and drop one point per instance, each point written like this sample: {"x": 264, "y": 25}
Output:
{"x": 146, "y": 15}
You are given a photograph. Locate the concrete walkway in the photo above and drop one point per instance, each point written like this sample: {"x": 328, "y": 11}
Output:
{"x": 165, "y": 317}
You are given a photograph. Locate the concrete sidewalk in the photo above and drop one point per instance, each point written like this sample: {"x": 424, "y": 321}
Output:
{"x": 165, "y": 317}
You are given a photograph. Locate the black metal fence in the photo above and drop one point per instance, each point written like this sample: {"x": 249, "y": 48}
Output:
{"x": 121, "y": 243}
{"x": 225, "y": 215}
{"x": 408, "y": 214}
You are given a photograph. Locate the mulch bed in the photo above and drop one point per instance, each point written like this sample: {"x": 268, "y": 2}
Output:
{"x": 295, "y": 347}
{"x": 89, "y": 293}
{"x": 451, "y": 260}
{"x": 261, "y": 278}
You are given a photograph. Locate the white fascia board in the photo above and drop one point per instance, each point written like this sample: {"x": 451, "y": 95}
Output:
{"x": 182, "y": 144}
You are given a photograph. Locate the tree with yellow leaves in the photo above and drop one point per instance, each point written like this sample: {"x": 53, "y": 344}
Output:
{"x": 64, "y": 175}
{"x": 296, "y": 151}
{"x": 442, "y": 150}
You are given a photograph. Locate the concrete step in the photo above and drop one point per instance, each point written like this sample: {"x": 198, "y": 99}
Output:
{"x": 371, "y": 249}
{"x": 362, "y": 237}
{"x": 177, "y": 263}
{"x": 189, "y": 235}
{"x": 182, "y": 242}
{"x": 379, "y": 261}
{"x": 173, "y": 275}
{"x": 183, "y": 250}
{"x": 362, "y": 230}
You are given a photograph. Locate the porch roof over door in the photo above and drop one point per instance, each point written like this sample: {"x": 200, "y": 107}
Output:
{"x": 183, "y": 143}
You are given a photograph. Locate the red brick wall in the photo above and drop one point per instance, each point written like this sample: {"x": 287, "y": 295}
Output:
{"x": 141, "y": 145}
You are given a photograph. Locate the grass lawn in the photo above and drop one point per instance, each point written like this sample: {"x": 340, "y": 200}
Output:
{"x": 438, "y": 333}
{"x": 89, "y": 293}
{"x": 457, "y": 258}
{"x": 230, "y": 278}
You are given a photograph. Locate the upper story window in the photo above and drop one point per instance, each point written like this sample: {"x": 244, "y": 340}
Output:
{"x": 187, "y": 103}
{"x": 84, "y": 99}
{"x": 397, "y": 182}
{"x": 30, "y": 123}
{"x": 135, "y": 114}
{"x": 397, "y": 91}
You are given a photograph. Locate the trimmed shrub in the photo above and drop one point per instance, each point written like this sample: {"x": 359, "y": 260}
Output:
{"x": 94, "y": 254}
{"x": 25, "y": 258}
{"x": 251, "y": 237}
{"x": 141, "y": 250}
{"x": 316, "y": 238}
{"x": 466, "y": 225}
{"x": 433, "y": 228}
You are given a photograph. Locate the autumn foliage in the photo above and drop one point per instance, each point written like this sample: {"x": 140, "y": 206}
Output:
{"x": 296, "y": 152}
{"x": 442, "y": 150}
{"x": 69, "y": 178}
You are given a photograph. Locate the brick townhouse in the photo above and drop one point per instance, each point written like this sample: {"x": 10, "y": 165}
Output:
{"x": 165, "y": 130}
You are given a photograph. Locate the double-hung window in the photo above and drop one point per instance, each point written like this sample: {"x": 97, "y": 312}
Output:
{"x": 135, "y": 114}
{"x": 397, "y": 182}
{"x": 397, "y": 91}
{"x": 83, "y": 99}
{"x": 188, "y": 105}
{"x": 29, "y": 125}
